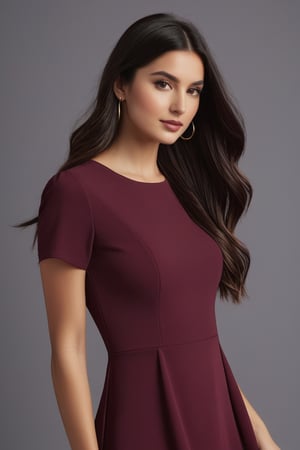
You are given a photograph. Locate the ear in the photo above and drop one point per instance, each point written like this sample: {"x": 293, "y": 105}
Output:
{"x": 118, "y": 88}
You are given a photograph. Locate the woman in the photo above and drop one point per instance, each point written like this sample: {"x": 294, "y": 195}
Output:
{"x": 138, "y": 225}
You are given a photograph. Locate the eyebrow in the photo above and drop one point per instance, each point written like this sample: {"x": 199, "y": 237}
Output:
{"x": 175, "y": 79}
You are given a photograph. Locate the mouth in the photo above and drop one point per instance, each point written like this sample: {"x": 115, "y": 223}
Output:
{"x": 172, "y": 122}
{"x": 172, "y": 125}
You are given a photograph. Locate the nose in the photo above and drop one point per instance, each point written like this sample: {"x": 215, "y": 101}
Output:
{"x": 178, "y": 103}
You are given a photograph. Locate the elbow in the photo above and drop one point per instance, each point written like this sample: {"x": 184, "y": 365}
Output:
{"x": 65, "y": 357}
{"x": 66, "y": 345}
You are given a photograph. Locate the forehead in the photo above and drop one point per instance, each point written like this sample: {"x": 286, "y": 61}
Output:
{"x": 184, "y": 64}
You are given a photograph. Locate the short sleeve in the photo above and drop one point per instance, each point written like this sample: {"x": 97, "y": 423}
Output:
{"x": 65, "y": 226}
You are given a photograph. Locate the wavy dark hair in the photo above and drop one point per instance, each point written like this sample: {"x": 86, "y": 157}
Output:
{"x": 203, "y": 171}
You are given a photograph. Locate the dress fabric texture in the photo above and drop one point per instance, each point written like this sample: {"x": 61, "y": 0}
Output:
{"x": 152, "y": 276}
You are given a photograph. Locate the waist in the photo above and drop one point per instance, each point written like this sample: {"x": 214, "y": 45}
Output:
{"x": 160, "y": 346}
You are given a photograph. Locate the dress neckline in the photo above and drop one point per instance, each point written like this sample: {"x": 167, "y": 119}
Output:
{"x": 119, "y": 175}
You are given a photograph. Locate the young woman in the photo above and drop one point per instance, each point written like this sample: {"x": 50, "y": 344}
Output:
{"x": 138, "y": 226}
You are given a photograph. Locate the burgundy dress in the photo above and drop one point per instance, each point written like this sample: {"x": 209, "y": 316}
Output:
{"x": 152, "y": 276}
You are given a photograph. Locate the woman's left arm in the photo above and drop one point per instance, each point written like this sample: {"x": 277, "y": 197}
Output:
{"x": 263, "y": 437}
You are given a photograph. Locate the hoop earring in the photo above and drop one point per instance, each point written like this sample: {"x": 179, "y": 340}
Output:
{"x": 189, "y": 137}
{"x": 119, "y": 109}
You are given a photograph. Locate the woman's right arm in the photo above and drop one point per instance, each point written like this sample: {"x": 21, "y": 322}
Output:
{"x": 64, "y": 293}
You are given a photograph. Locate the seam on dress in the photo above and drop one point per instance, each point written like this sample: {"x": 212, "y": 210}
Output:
{"x": 91, "y": 214}
{"x": 97, "y": 306}
{"x": 149, "y": 251}
{"x": 155, "y": 347}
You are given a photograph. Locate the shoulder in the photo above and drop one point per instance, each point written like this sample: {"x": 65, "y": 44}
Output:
{"x": 68, "y": 182}
{"x": 65, "y": 191}
{"x": 65, "y": 220}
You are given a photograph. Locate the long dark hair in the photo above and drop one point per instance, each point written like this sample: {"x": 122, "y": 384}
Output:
{"x": 202, "y": 172}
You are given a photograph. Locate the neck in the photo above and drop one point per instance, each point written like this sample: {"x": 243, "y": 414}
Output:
{"x": 134, "y": 155}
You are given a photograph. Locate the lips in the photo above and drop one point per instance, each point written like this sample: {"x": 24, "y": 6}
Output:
{"x": 171, "y": 125}
{"x": 172, "y": 122}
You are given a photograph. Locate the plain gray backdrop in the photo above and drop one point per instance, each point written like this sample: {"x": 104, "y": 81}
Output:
{"x": 52, "y": 54}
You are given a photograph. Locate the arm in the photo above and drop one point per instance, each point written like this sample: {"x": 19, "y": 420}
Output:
{"x": 63, "y": 286}
{"x": 262, "y": 434}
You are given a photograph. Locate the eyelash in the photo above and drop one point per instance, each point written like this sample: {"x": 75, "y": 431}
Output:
{"x": 159, "y": 83}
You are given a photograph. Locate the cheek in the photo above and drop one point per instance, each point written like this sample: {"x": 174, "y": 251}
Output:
{"x": 191, "y": 109}
{"x": 193, "y": 104}
{"x": 147, "y": 101}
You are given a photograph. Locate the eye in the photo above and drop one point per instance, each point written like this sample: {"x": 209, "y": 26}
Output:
{"x": 195, "y": 91}
{"x": 161, "y": 84}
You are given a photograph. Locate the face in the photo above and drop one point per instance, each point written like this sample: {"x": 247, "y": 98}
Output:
{"x": 163, "y": 98}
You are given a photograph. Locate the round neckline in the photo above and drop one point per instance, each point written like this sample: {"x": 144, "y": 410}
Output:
{"x": 119, "y": 175}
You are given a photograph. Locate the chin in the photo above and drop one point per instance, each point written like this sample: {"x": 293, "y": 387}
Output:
{"x": 169, "y": 141}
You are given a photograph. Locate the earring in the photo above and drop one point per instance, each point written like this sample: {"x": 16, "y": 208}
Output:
{"x": 119, "y": 108}
{"x": 189, "y": 137}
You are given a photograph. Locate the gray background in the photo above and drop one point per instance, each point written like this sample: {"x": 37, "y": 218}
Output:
{"x": 52, "y": 54}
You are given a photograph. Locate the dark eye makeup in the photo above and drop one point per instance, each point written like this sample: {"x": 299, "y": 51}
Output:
{"x": 163, "y": 83}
